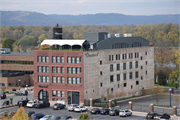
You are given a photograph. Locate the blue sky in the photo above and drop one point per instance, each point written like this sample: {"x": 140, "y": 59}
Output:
{"x": 76, "y": 7}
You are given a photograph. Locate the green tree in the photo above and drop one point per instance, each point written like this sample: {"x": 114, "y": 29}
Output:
{"x": 158, "y": 93}
{"x": 161, "y": 78}
{"x": 21, "y": 114}
{"x": 40, "y": 40}
{"x": 16, "y": 47}
{"x": 26, "y": 41}
{"x": 8, "y": 43}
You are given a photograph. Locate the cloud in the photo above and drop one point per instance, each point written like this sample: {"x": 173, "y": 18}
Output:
{"x": 82, "y": 1}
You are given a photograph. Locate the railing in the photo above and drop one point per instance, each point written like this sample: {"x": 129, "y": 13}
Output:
{"x": 141, "y": 108}
{"x": 163, "y": 110}
{"x": 178, "y": 112}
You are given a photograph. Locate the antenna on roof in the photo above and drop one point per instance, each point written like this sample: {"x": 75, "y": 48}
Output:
{"x": 57, "y": 25}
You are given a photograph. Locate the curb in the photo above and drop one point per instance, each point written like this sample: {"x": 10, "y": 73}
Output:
{"x": 133, "y": 98}
{"x": 9, "y": 107}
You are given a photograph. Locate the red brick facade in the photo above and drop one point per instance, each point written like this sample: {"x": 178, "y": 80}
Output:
{"x": 49, "y": 86}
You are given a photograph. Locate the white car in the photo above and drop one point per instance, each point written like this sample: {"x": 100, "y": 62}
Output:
{"x": 30, "y": 104}
{"x": 71, "y": 107}
{"x": 125, "y": 113}
{"x": 80, "y": 108}
{"x": 46, "y": 117}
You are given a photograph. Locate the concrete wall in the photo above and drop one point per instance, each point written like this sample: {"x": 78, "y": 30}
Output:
{"x": 92, "y": 68}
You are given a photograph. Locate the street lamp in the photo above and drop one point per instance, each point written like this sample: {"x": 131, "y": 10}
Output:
{"x": 19, "y": 84}
{"x": 176, "y": 81}
{"x": 170, "y": 96}
{"x": 27, "y": 93}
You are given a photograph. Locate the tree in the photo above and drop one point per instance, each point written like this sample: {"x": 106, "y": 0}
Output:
{"x": 83, "y": 116}
{"x": 40, "y": 39}
{"x": 175, "y": 56}
{"x": 158, "y": 93}
{"x": 8, "y": 43}
{"x": 161, "y": 78}
{"x": 16, "y": 47}
{"x": 174, "y": 75}
{"x": 26, "y": 41}
{"x": 176, "y": 98}
{"x": 21, "y": 114}
{"x": 8, "y": 115}
{"x": 110, "y": 96}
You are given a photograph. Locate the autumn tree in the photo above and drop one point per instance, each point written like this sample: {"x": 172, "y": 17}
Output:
{"x": 16, "y": 47}
{"x": 40, "y": 40}
{"x": 84, "y": 116}
{"x": 8, "y": 43}
{"x": 158, "y": 93}
{"x": 110, "y": 96}
{"x": 26, "y": 41}
{"x": 21, "y": 114}
{"x": 8, "y": 115}
{"x": 176, "y": 98}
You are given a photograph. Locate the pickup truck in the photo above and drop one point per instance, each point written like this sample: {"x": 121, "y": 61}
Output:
{"x": 42, "y": 104}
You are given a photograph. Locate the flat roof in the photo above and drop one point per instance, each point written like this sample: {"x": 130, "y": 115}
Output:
{"x": 19, "y": 54}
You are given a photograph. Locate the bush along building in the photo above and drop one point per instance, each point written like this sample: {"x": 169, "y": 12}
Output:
{"x": 101, "y": 64}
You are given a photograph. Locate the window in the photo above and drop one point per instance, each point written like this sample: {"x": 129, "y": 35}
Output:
{"x": 73, "y": 80}
{"x": 11, "y": 84}
{"x": 141, "y": 77}
{"x": 146, "y": 62}
{"x": 109, "y": 57}
{"x": 116, "y": 57}
{"x": 58, "y": 69}
{"x": 141, "y": 67}
{"x": 130, "y": 65}
{"x": 141, "y": 57}
{"x": 118, "y": 77}
{"x": 93, "y": 90}
{"x": 124, "y": 84}
{"x": 54, "y": 79}
{"x": 80, "y": 80}
{"x": 100, "y": 84}
{"x": 107, "y": 91}
{"x": 57, "y": 59}
{"x": 62, "y": 93}
{"x": 53, "y": 59}
{"x": 73, "y": 60}
{"x": 111, "y": 68}
{"x": 125, "y": 56}
{"x": 68, "y": 59}
{"x": 112, "y": 57}
{"x": 43, "y": 59}
{"x": 136, "y": 74}
{"x": 43, "y": 69}
{"x": 77, "y": 70}
{"x": 39, "y": 59}
{"x": 77, "y": 59}
{"x": 80, "y": 59}
{"x": 62, "y": 79}
{"x": 137, "y": 55}
{"x": 111, "y": 90}
{"x": 137, "y": 82}
{"x": 53, "y": 99}
{"x": 62, "y": 69}
{"x": 2, "y": 84}
{"x": 69, "y": 80}
{"x": 47, "y": 69}
{"x": 54, "y": 69}
{"x": 39, "y": 68}
{"x": 119, "y": 56}
{"x": 47, "y": 79}
{"x": 124, "y": 66}
{"x": 124, "y": 76}
{"x": 145, "y": 53}
{"x": 62, "y": 59}
{"x": 73, "y": 70}
{"x": 131, "y": 55}
{"x": 100, "y": 72}
{"x": 136, "y": 64}
{"x": 146, "y": 72}
{"x": 111, "y": 78}
{"x": 54, "y": 93}
{"x": 58, "y": 93}
{"x": 118, "y": 67}
{"x": 100, "y": 62}
{"x": 39, "y": 78}
{"x": 77, "y": 80}
{"x": 47, "y": 59}
{"x": 130, "y": 75}
{"x": 123, "y": 45}
{"x": 43, "y": 79}
{"x": 131, "y": 87}
{"x": 69, "y": 70}
{"x": 58, "y": 79}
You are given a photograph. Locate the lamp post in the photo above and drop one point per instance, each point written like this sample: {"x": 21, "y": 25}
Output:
{"x": 170, "y": 96}
{"x": 27, "y": 93}
{"x": 19, "y": 84}
{"x": 176, "y": 81}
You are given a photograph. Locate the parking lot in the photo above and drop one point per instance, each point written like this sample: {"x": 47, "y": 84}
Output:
{"x": 62, "y": 112}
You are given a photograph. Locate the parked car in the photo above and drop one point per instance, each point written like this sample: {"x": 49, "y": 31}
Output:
{"x": 30, "y": 113}
{"x": 3, "y": 96}
{"x": 72, "y": 106}
{"x": 58, "y": 106}
{"x": 37, "y": 116}
{"x": 162, "y": 116}
{"x": 80, "y": 108}
{"x": 55, "y": 118}
{"x": 125, "y": 113}
{"x": 66, "y": 117}
{"x": 46, "y": 117}
{"x": 114, "y": 112}
{"x": 22, "y": 103}
{"x": 151, "y": 115}
{"x": 104, "y": 111}
{"x": 95, "y": 111}
{"x": 13, "y": 89}
{"x": 31, "y": 103}
{"x": 21, "y": 92}
{"x": 42, "y": 104}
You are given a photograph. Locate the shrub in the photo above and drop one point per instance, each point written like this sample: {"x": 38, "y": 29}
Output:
{"x": 11, "y": 99}
{"x": 167, "y": 106}
{"x": 154, "y": 104}
{"x": 161, "y": 105}
{"x": 115, "y": 102}
{"x": 105, "y": 99}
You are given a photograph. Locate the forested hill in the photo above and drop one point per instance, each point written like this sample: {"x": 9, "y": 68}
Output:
{"x": 13, "y": 18}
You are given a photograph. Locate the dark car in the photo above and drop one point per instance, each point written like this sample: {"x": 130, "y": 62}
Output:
{"x": 66, "y": 117}
{"x": 114, "y": 112}
{"x": 162, "y": 115}
{"x": 58, "y": 106}
{"x": 22, "y": 103}
{"x": 3, "y": 96}
{"x": 104, "y": 111}
{"x": 151, "y": 115}
{"x": 30, "y": 113}
{"x": 37, "y": 116}
{"x": 13, "y": 89}
{"x": 95, "y": 111}
{"x": 55, "y": 118}
{"x": 21, "y": 92}
{"x": 42, "y": 104}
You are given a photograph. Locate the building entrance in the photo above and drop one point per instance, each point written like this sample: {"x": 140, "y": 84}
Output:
{"x": 43, "y": 95}
{"x": 75, "y": 98}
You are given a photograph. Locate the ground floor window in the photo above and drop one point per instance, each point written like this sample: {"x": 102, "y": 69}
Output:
{"x": 2, "y": 84}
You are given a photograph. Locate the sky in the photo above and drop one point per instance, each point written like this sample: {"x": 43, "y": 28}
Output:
{"x": 77, "y": 7}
